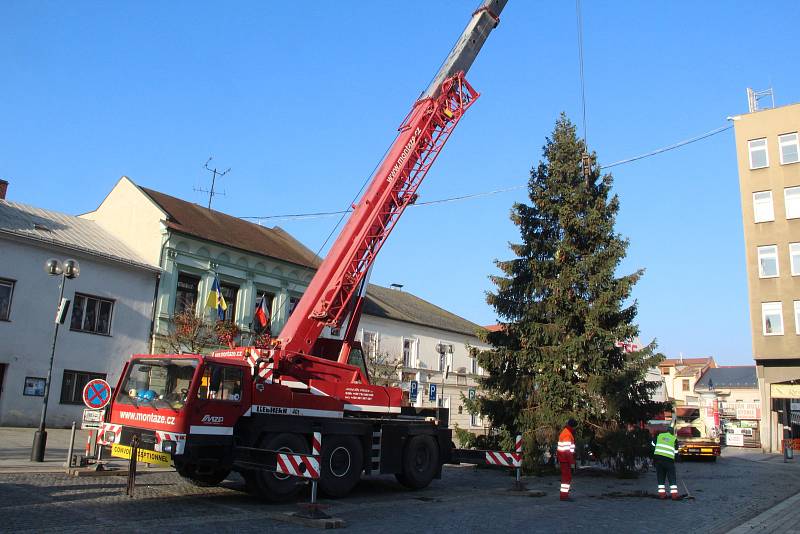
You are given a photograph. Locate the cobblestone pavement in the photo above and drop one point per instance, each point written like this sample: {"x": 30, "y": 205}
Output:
{"x": 726, "y": 494}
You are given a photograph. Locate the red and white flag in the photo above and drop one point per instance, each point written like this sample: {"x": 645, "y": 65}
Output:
{"x": 262, "y": 313}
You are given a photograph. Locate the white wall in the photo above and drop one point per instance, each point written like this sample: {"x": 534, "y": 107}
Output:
{"x": 425, "y": 370}
{"x": 26, "y": 339}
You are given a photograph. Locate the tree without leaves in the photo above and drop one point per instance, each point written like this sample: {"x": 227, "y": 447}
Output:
{"x": 563, "y": 309}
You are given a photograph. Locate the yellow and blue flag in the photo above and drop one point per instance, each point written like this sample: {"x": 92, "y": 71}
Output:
{"x": 216, "y": 300}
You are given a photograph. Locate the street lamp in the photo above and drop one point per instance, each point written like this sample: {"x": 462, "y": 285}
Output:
{"x": 69, "y": 269}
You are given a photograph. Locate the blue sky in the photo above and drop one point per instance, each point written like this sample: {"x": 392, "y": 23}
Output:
{"x": 301, "y": 99}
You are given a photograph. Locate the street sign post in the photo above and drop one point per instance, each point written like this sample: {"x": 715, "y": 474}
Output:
{"x": 413, "y": 390}
{"x": 432, "y": 392}
{"x": 91, "y": 419}
{"x": 96, "y": 394}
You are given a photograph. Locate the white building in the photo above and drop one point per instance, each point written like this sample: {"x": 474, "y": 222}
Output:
{"x": 427, "y": 340}
{"x": 109, "y": 318}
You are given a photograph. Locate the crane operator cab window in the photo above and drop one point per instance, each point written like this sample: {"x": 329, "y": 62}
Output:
{"x": 221, "y": 382}
{"x": 356, "y": 358}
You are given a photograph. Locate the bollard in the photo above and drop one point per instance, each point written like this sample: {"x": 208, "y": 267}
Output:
{"x": 518, "y": 485}
{"x": 71, "y": 446}
{"x": 132, "y": 466}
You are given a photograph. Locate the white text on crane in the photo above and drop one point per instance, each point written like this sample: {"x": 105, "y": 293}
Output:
{"x": 404, "y": 155}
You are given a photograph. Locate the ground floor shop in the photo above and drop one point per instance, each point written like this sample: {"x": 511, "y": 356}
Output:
{"x": 779, "y": 383}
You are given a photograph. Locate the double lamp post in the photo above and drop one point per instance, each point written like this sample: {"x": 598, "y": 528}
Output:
{"x": 68, "y": 270}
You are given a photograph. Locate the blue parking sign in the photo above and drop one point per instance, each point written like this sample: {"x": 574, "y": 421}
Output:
{"x": 432, "y": 392}
{"x": 413, "y": 389}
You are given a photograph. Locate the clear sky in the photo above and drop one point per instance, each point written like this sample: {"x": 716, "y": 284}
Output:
{"x": 301, "y": 99}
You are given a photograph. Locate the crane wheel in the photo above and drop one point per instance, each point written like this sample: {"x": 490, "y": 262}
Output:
{"x": 277, "y": 487}
{"x": 420, "y": 462}
{"x": 342, "y": 463}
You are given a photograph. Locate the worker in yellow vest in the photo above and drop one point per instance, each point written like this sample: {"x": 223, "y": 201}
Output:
{"x": 664, "y": 459}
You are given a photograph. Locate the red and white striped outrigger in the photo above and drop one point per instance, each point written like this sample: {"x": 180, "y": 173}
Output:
{"x": 302, "y": 465}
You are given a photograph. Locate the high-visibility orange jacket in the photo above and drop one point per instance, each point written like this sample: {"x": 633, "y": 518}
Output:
{"x": 566, "y": 447}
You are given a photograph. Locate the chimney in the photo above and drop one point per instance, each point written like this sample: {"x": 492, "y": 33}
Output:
{"x": 3, "y": 189}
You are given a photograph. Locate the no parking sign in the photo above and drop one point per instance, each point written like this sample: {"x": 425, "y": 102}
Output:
{"x": 96, "y": 394}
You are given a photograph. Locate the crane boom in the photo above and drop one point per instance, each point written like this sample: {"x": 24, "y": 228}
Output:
{"x": 422, "y": 134}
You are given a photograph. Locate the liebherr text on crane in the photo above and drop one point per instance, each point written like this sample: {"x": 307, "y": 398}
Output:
{"x": 231, "y": 410}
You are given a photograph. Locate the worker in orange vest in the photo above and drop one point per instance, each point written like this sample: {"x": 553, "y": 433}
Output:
{"x": 566, "y": 457}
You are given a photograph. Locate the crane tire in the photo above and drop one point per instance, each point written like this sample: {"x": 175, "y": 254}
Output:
{"x": 203, "y": 480}
{"x": 420, "y": 462}
{"x": 342, "y": 463}
{"x": 277, "y": 487}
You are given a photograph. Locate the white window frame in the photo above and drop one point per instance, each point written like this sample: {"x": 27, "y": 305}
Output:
{"x": 766, "y": 152}
{"x": 448, "y": 357}
{"x": 364, "y": 347}
{"x": 768, "y": 252}
{"x": 788, "y": 139}
{"x": 765, "y": 203}
{"x": 795, "y": 204}
{"x": 794, "y": 251}
{"x": 773, "y": 308}
{"x": 413, "y": 357}
{"x": 797, "y": 317}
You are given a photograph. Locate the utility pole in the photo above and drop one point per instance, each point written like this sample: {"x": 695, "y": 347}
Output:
{"x": 214, "y": 174}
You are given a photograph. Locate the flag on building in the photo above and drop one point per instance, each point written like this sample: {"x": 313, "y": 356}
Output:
{"x": 262, "y": 313}
{"x": 216, "y": 300}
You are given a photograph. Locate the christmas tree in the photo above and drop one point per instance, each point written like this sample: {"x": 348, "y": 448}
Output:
{"x": 564, "y": 310}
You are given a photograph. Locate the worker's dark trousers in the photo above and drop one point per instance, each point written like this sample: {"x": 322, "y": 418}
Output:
{"x": 665, "y": 468}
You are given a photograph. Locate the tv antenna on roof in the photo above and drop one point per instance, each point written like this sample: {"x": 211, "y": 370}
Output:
{"x": 214, "y": 174}
{"x": 753, "y": 98}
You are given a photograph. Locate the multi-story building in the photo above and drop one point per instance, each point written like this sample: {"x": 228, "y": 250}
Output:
{"x": 680, "y": 376}
{"x": 108, "y": 319}
{"x": 730, "y": 396}
{"x": 768, "y": 155}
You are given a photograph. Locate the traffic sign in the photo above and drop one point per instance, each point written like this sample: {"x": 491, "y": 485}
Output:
{"x": 96, "y": 394}
{"x": 471, "y": 393}
{"x": 413, "y": 390}
{"x": 432, "y": 392}
{"x": 92, "y": 419}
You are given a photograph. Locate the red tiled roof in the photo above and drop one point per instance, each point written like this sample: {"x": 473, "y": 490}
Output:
{"x": 195, "y": 220}
{"x": 494, "y": 327}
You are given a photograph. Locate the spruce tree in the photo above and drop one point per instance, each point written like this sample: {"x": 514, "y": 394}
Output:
{"x": 563, "y": 309}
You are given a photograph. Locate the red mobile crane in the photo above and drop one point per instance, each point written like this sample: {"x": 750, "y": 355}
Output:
{"x": 232, "y": 409}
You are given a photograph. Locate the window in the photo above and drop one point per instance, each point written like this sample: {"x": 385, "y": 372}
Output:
{"x": 762, "y": 206}
{"x": 473, "y": 420}
{"x": 794, "y": 258}
{"x": 186, "y": 293}
{"x": 229, "y": 293}
{"x": 72, "y": 385}
{"x": 6, "y": 292}
{"x": 792, "y": 197}
{"x": 474, "y": 366}
{"x": 167, "y": 380}
{"x": 445, "y": 351}
{"x": 797, "y": 317}
{"x": 772, "y": 318}
{"x": 443, "y": 402}
{"x": 369, "y": 343}
{"x": 758, "y": 153}
{"x": 789, "y": 148}
{"x": 91, "y": 314}
{"x": 409, "y": 352}
{"x": 768, "y": 261}
{"x": 293, "y": 304}
{"x": 221, "y": 382}
{"x": 685, "y": 384}
{"x": 665, "y": 371}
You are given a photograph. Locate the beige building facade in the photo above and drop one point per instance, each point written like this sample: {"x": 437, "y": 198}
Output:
{"x": 768, "y": 152}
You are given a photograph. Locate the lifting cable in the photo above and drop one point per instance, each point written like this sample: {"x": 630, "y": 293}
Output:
{"x": 586, "y": 160}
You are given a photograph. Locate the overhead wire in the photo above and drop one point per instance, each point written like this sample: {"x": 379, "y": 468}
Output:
{"x": 322, "y": 214}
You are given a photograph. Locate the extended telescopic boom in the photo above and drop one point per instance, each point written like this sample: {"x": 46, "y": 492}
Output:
{"x": 423, "y": 133}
